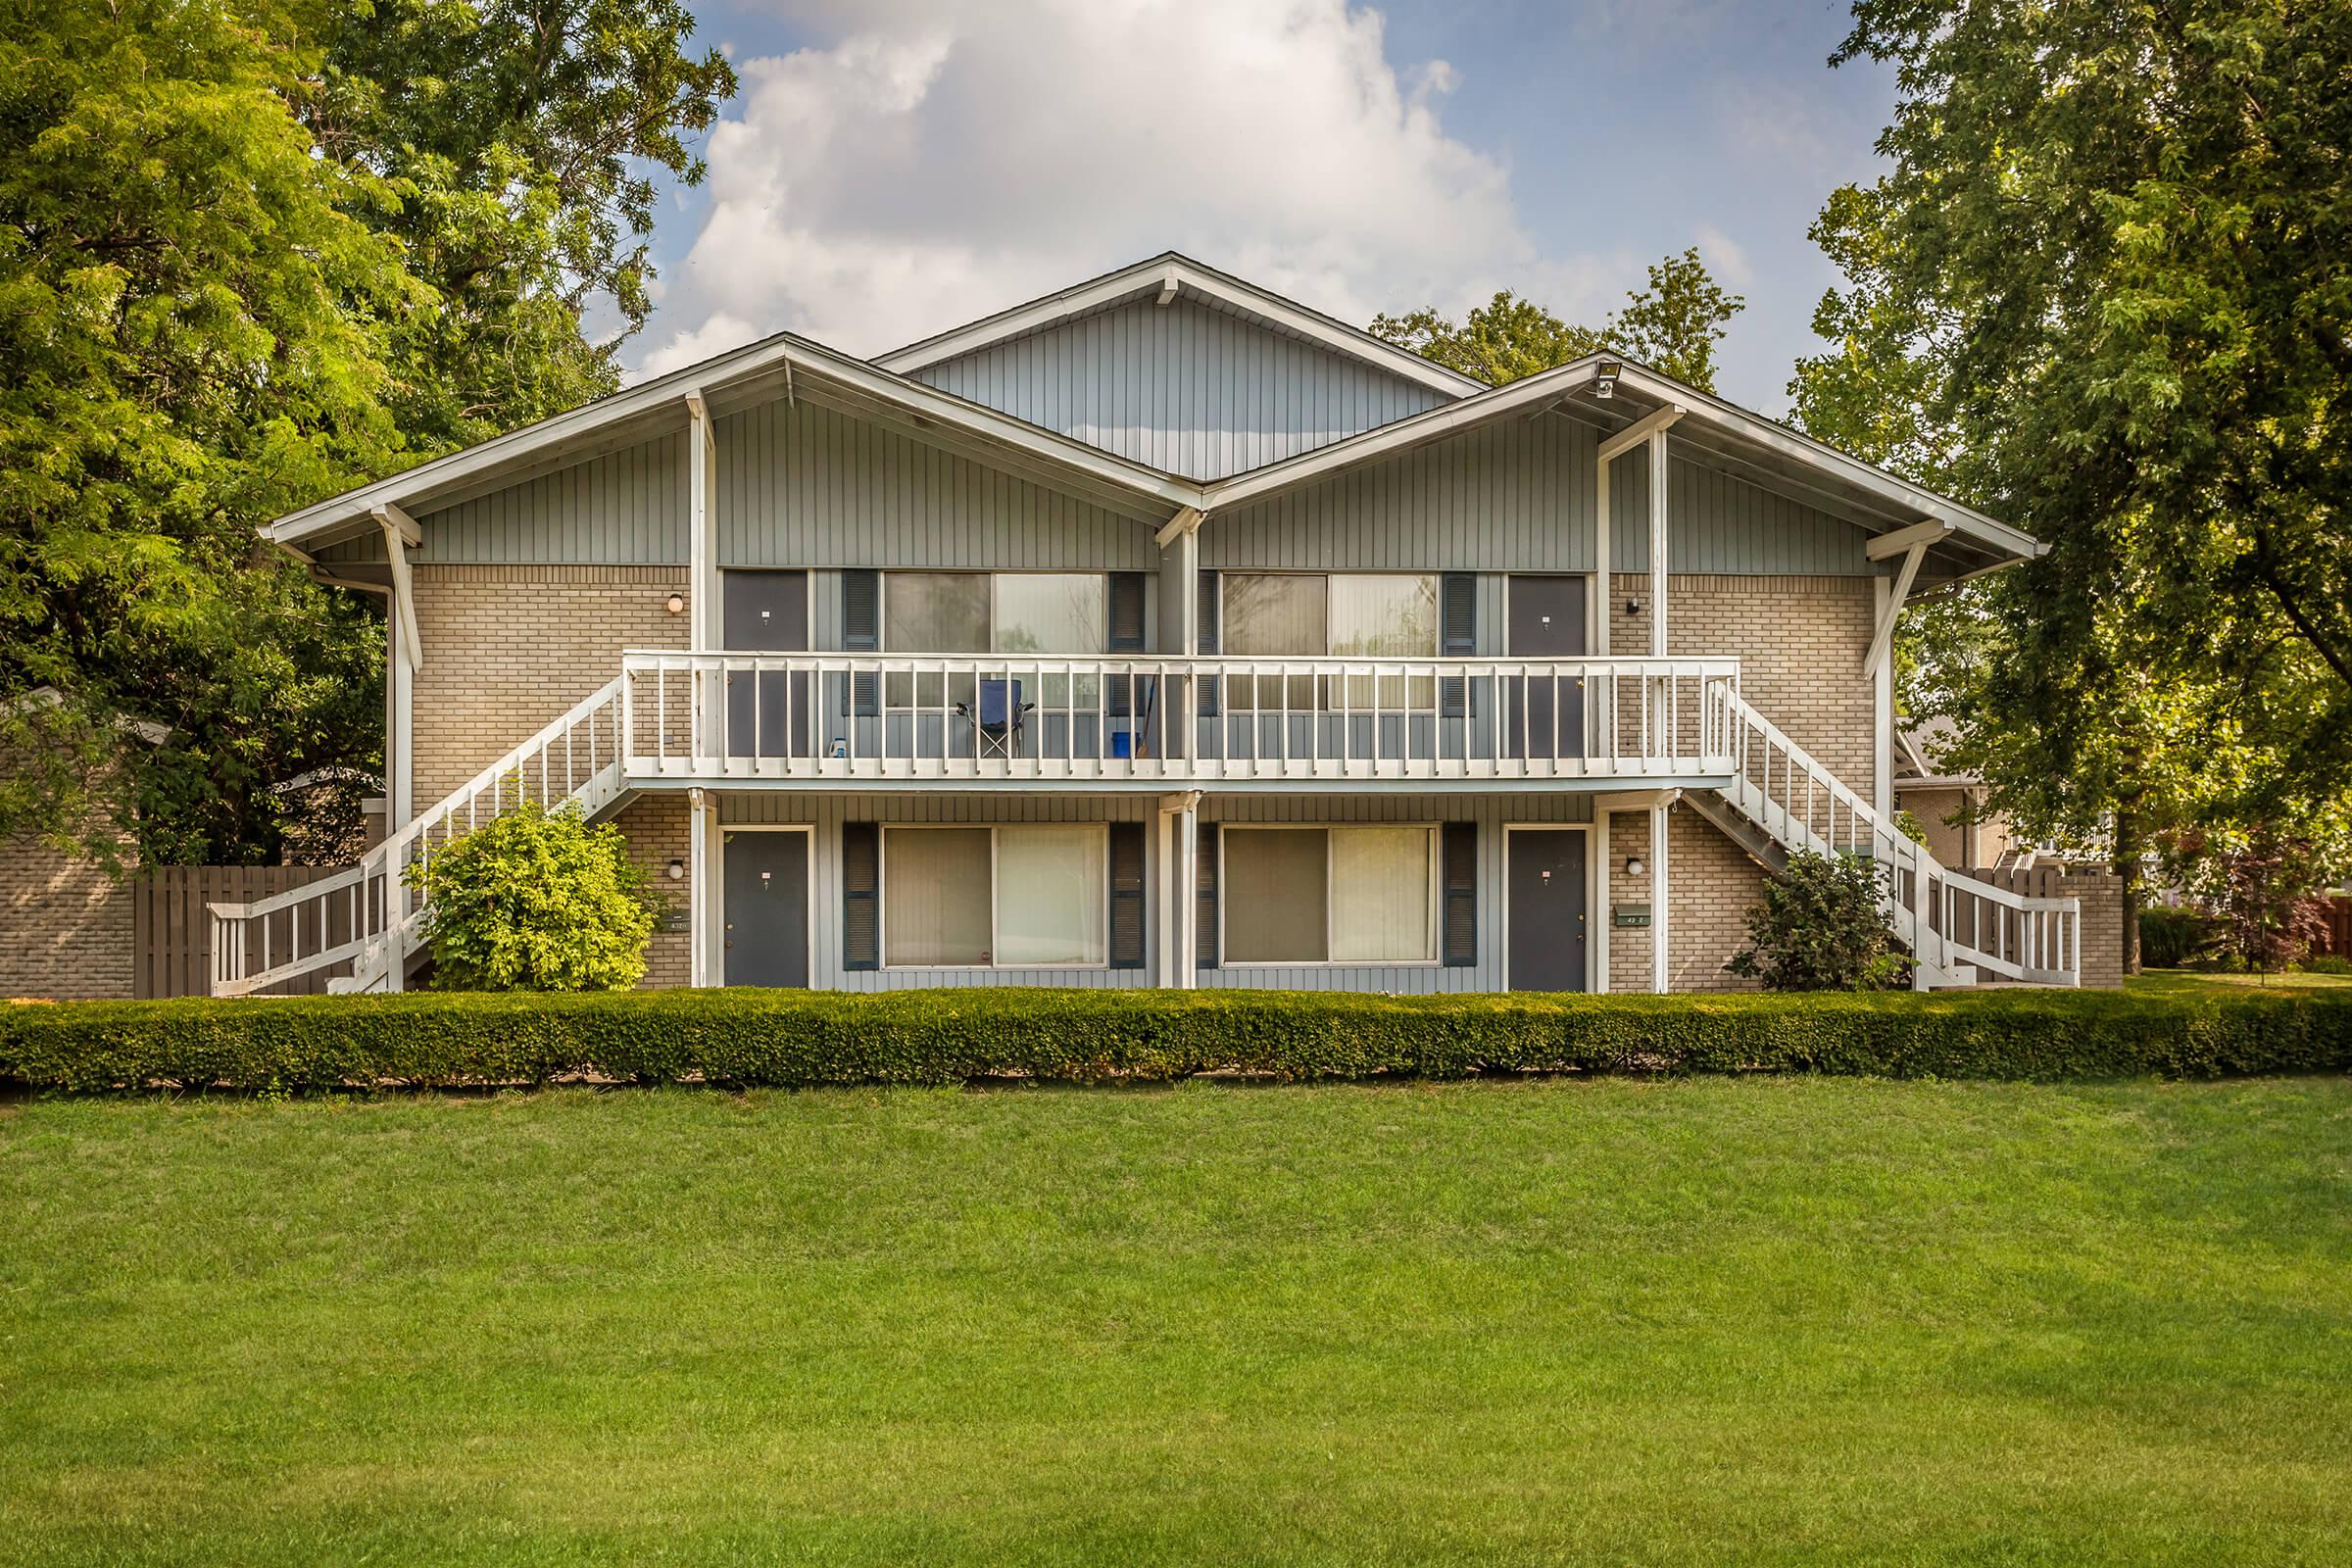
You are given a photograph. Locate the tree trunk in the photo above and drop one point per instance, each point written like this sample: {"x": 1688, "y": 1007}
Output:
{"x": 2127, "y": 866}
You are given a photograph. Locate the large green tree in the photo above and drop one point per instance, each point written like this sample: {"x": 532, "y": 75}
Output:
{"x": 2106, "y": 290}
{"x": 250, "y": 254}
{"x": 1671, "y": 324}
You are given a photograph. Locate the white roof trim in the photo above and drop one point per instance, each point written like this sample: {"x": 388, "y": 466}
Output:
{"x": 713, "y": 375}
{"x": 1157, "y": 277}
{"x": 1546, "y": 385}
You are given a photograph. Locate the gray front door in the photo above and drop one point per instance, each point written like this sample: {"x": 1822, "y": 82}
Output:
{"x": 766, "y": 613}
{"x": 1548, "y": 909}
{"x": 768, "y": 908}
{"x": 1545, "y": 717}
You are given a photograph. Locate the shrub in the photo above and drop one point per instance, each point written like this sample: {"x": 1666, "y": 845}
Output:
{"x": 796, "y": 1038}
{"x": 2175, "y": 939}
{"x": 2328, "y": 964}
{"x": 1817, "y": 928}
{"x": 537, "y": 901}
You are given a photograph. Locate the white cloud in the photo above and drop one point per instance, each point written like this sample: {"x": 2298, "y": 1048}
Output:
{"x": 935, "y": 162}
{"x": 1726, "y": 259}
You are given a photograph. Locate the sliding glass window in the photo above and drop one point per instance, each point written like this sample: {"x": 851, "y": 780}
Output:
{"x": 995, "y": 897}
{"x": 1343, "y": 615}
{"x": 983, "y": 612}
{"x": 1329, "y": 895}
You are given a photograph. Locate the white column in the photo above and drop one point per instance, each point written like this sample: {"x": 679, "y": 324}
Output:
{"x": 701, "y": 849}
{"x": 1188, "y": 930}
{"x": 1599, "y": 947}
{"x": 1603, "y": 596}
{"x": 1658, "y": 886}
{"x": 1882, "y": 699}
{"x": 702, "y": 558}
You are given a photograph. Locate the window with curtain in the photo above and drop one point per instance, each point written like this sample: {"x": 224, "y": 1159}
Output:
{"x": 965, "y": 897}
{"x": 979, "y": 612}
{"x": 1345, "y": 615}
{"x": 1052, "y": 612}
{"x": 1337, "y": 894}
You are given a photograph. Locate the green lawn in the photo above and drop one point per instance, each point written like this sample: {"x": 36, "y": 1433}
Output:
{"x": 1770, "y": 1321}
{"x": 2194, "y": 982}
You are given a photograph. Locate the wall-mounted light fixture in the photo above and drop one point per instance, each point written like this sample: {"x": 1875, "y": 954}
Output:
{"x": 675, "y": 604}
{"x": 1633, "y": 865}
{"x": 1604, "y": 379}
{"x": 1632, "y": 606}
{"x": 676, "y": 870}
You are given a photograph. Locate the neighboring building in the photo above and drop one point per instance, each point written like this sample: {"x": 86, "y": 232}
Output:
{"x": 1948, "y": 803}
{"x": 1157, "y": 632}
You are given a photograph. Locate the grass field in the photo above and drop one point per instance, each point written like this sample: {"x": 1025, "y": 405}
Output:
{"x": 1774, "y": 1321}
{"x": 2197, "y": 982}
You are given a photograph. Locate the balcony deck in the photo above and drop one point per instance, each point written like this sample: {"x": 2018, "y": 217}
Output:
{"x": 1108, "y": 722}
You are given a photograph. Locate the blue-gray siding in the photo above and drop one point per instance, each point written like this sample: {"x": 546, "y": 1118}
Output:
{"x": 1492, "y": 813}
{"x": 1182, "y": 387}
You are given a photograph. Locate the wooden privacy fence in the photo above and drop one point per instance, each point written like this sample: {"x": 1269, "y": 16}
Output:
{"x": 2339, "y": 928}
{"x": 172, "y": 934}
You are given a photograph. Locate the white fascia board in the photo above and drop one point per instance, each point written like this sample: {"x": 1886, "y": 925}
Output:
{"x": 707, "y": 380}
{"x": 1158, "y": 278}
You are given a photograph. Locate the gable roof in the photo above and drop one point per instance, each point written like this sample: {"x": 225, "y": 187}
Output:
{"x": 1172, "y": 276}
{"x": 1717, "y": 434}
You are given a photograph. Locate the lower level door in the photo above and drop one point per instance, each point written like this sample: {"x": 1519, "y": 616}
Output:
{"x": 1547, "y": 915}
{"x": 768, "y": 908}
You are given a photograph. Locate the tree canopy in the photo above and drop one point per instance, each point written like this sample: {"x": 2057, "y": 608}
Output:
{"x": 2106, "y": 290}
{"x": 1672, "y": 324}
{"x": 252, "y": 254}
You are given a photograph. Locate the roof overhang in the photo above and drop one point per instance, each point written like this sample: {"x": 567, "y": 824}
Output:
{"x": 1710, "y": 431}
{"x": 1164, "y": 278}
{"x": 785, "y": 366}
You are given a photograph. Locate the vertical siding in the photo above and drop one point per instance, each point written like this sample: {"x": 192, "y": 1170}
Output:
{"x": 826, "y": 813}
{"x": 803, "y": 486}
{"x": 625, "y": 509}
{"x": 1182, "y": 387}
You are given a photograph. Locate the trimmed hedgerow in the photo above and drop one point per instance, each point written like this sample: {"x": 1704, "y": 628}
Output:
{"x": 792, "y": 1038}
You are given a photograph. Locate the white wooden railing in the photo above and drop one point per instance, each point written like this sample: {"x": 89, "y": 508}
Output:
{"x": 1949, "y": 920}
{"x": 368, "y": 916}
{"x": 720, "y": 717}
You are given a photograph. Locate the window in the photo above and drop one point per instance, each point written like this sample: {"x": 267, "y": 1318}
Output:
{"x": 980, "y": 613}
{"x": 1346, "y": 616}
{"x": 966, "y": 897}
{"x": 1329, "y": 895}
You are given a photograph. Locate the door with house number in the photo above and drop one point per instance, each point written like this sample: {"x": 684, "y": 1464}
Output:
{"x": 1544, "y": 717}
{"x": 766, "y": 909}
{"x": 1547, "y": 915}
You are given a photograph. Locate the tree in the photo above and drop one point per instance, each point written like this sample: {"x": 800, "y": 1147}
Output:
{"x": 251, "y": 255}
{"x": 2105, "y": 290}
{"x": 1817, "y": 928}
{"x": 1670, "y": 325}
{"x": 537, "y": 901}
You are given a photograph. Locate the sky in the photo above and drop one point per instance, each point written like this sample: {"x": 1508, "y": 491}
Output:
{"x": 894, "y": 168}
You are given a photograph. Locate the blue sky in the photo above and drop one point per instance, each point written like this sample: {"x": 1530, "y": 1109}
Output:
{"x": 897, "y": 167}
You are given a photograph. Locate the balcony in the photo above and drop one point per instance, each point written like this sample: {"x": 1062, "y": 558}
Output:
{"x": 812, "y": 719}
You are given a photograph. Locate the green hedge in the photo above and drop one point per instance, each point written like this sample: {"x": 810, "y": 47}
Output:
{"x": 929, "y": 1037}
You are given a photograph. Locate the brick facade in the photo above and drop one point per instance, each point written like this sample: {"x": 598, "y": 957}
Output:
{"x": 64, "y": 926}
{"x": 1714, "y": 884}
{"x": 508, "y": 648}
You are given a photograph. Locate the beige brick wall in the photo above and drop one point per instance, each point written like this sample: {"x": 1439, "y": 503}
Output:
{"x": 1710, "y": 884}
{"x": 508, "y": 648}
{"x": 1799, "y": 642}
{"x": 1948, "y": 840}
{"x": 657, "y": 831}
{"x": 64, "y": 926}
{"x": 1629, "y": 947}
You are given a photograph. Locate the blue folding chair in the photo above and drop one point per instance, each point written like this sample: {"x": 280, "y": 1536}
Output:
{"x": 998, "y": 722}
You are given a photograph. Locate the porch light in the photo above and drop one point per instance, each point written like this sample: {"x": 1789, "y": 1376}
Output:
{"x": 1633, "y": 865}
{"x": 1604, "y": 379}
{"x": 675, "y": 604}
{"x": 676, "y": 870}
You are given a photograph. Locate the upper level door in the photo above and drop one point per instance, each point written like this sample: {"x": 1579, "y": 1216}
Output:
{"x": 767, "y": 613}
{"x": 1545, "y": 619}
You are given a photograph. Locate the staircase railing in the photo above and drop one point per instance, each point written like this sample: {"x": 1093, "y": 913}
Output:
{"x": 1948, "y": 919}
{"x": 367, "y": 916}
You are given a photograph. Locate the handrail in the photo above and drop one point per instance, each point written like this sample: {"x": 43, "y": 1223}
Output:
{"x": 2048, "y": 931}
{"x": 373, "y": 889}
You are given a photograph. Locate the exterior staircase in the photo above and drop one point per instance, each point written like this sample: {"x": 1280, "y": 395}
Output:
{"x": 1959, "y": 930}
{"x": 368, "y": 916}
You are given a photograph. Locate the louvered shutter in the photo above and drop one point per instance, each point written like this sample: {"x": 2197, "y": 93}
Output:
{"x": 1126, "y": 637}
{"x": 1459, "y": 853}
{"x": 862, "y": 633}
{"x": 1126, "y": 894}
{"x": 860, "y": 896}
{"x": 1457, "y": 609}
{"x": 1207, "y": 633}
{"x": 1205, "y": 898}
